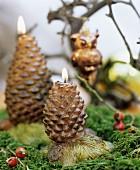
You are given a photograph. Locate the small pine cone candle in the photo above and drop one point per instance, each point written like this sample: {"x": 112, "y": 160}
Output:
{"x": 86, "y": 57}
{"x": 64, "y": 112}
{"x": 64, "y": 120}
{"x": 27, "y": 83}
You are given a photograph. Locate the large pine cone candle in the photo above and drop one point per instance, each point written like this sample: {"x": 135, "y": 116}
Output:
{"x": 64, "y": 112}
{"x": 28, "y": 82}
{"x": 86, "y": 57}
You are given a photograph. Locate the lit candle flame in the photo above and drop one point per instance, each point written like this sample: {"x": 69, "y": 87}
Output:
{"x": 21, "y": 25}
{"x": 65, "y": 75}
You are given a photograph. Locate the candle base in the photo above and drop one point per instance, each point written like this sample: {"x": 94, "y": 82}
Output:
{"x": 88, "y": 147}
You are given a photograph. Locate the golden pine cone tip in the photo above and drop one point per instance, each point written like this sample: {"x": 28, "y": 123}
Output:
{"x": 64, "y": 113}
{"x": 26, "y": 37}
{"x": 88, "y": 147}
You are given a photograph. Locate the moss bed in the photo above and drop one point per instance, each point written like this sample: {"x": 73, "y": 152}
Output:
{"x": 125, "y": 156}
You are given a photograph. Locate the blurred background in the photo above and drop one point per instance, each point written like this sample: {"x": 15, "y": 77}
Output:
{"x": 110, "y": 42}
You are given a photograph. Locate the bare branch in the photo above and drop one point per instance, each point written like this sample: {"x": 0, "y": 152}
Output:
{"x": 80, "y": 3}
{"x": 32, "y": 28}
{"x": 76, "y": 26}
{"x": 132, "y": 120}
{"x": 130, "y": 3}
{"x": 65, "y": 14}
{"x": 93, "y": 91}
{"x": 28, "y": 31}
{"x": 109, "y": 3}
{"x": 66, "y": 11}
{"x": 138, "y": 60}
{"x": 75, "y": 18}
{"x": 94, "y": 9}
{"x": 63, "y": 34}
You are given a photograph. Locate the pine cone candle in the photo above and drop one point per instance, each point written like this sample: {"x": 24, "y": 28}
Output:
{"x": 64, "y": 112}
{"x": 28, "y": 82}
{"x": 86, "y": 57}
{"x": 64, "y": 120}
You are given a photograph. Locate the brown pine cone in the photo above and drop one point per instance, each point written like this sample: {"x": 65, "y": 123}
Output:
{"x": 64, "y": 112}
{"x": 28, "y": 82}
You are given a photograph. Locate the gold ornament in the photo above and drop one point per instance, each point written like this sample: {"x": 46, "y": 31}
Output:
{"x": 86, "y": 57}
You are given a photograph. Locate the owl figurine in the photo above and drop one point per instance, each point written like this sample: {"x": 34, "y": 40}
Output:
{"x": 86, "y": 57}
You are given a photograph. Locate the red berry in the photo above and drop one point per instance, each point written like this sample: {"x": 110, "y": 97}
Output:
{"x": 118, "y": 115}
{"x": 12, "y": 161}
{"x": 20, "y": 152}
{"x": 119, "y": 125}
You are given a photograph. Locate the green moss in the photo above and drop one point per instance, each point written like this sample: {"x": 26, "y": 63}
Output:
{"x": 31, "y": 133}
{"x": 3, "y": 114}
{"x": 101, "y": 120}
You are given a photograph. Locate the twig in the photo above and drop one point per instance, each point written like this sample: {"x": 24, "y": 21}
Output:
{"x": 18, "y": 159}
{"x": 32, "y": 28}
{"x": 130, "y": 3}
{"x": 28, "y": 31}
{"x": 11, "y": 151}
{"x": 132, "y": 120}
{"x": 60, "y": 14}
{"x": 75, "y": 18}
{"x": 62, "y": 33}
{"x": 95, "y": 93}
{"x": 123, "y": 37}
{"x": 80, "y": 3}
{"x": 89, "y": 88}
{"x": 76, "y": 25}
{"x": 94, "y": 9}
{"x": 103, "y": 101}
